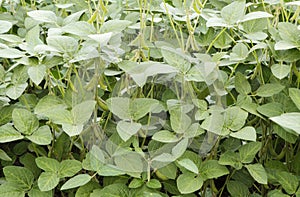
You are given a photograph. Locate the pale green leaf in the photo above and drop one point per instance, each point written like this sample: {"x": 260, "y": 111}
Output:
{"x": 258, "y": 172}
{"x": 246, "y": 133}
{"x": 271, "y": 109}
{"x": 235, "y": 118}
{"x": 37, "y": 73}
{"x": 115, "y": 25}
{"x": 82, "y": 112}
{"x": 72, "y": 129}
{"x": 19, "y": 175}
{"x": 42, "y": 136}
{"x": 130, "y": 162}
{"x": 230, "y": 158}
{"x": 11, "y": 190}
{"x": 248, "y": 151}
{"x": 15, "y": 91}
{"x": 11, "y": 53}
{"x": 233, "y": 12}
{"x": 237, "y": 189}
{"x": 69, "y": 168}
{"x": 280, "y": 71}
{"x": 294, "y": 93}
{"x": 256, "y": 15}
{"x": 139, "y": 107}
{"x": 25, "y": 121}
{"x": 102, "y": 39}
{"x": 5, "y": 26}
{"x": 47, "y": 164}
{"x": 212, "y": 169}
{"x": 119, "y": 106}
{"x": 189, "y": 165}
{"x": 64, "y": 44}
{"x": 48, "y": 105}
{"x": 242, "y": 86}
{"x": 79, "y": 28}
{"x": 189, "y": 183}
{"x": 289, "y": 121}
{"x": 165, "y": 136}
{"x": 76, "y": 181}
{"x": 4, "y": 156}
{"x": 43, "y": 16}
{"x": 9, "y": 134}
{"x": 127, "y": 129}
{"x": 48, "y": 181}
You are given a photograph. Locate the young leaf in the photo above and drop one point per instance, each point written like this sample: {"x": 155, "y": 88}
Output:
{"x": 9, "y": 134}
{"x": 189, "y": 183}
{"x": 25, "y": 121}
{"x": 127, "y": 129}
{"x": 258, "y": 172}
{"x": 76, "y": 181}
{"x": 267, "y": 90}
{"x": 48, "y": 181}
{"x": 20, "y": 176}
{"x": 246, "y": 133}
{"x": 47, "y": 164}
{"x": 248, "y": 151}
{"x": 136, "y": 183}
{"x": 153, "y": 183}
{"x": 189, "y": 165}
{"x": 42, "y": 136}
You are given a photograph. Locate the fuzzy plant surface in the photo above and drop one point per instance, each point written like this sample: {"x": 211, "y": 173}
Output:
{"x": 144, "y": 98}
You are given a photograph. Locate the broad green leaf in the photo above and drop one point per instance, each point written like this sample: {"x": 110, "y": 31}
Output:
{"x": 114, "y": 26}
{"x": 246, "y": 133}
{"x": 284, "y": 45}
{"x": 112, "y": 190}
{"x": 169, "y": 171}
{"x": 289, "y": 33}
{"x": 267, "y": 90}
{"x": 48, "y": 105}
{"x": 43, "y": 16}
{"x": 231, "y": 158}
{"x": 11, "y": 38}
{"x": 37, "y": 73}
{"x": 9, "y": 134}
{"x": 69, "y": 168}
{"x": 15, "y": 91}
{"x": 82, "y": 112}
{"x": 110, "y": 170}
{"x": 212, "y": 169}
{"x": 42, "y": 136}
{"x": 139, "y": 107}
{"x": 180, "y": 121}
{"x": 165, "y": 136}
{"x": 76, "y": 181}
{"x": 214, "y": 124}
{"x": 180, "y": 147}
{"x": 120, "y": 107}
{"x": 237, "y": 189}
{"x": 193, "y": 131}
{"x": 79, "y": 28}
{"x": 256, "y": 15}
{"x": 72, "y": 129}
{"x": 19, "y": 175}
{"x": 258, "y": 172}
{"x": 248, "y": 151}
{"x": 289, "y": 121}
{"x": 153, "y": 183}
{"x": 48, "y": 181}
{"x": 176, "y": 59}
{"x": 87, "y": 189}
{"x": 36, "y": 192}
{"x": 11, "y": 53}
{"x": 280, "y": 71}
{"x": 127, "y": 129}
{"x": 288, "y": 181}
{"x": 73, "y": 17}
{"x": 242, "y": 86}
{"x": 64, "y": 44}
{"x": 136, "y": 183}
{"x": 25, "y": 121}
{"x": 48, "y": 164}
{"x": 189, "y": 183}
{"x": 235, "y": 118}
{"x": 189, "y": 165}
{"x": 102, "y": 39}
{"x": 271, "y": 109}
{"x": 4, "y": 156}
{"x": 294, "y": 93}
{"x": 277, "y": 193}
{"x": 130, "y": 162}
{"x": 5, "y": 26}
{"x": 285, "y": 134}
{"x": 233, "y": 12}
{"x": 239, "y": 52}
{"x": 11, "y": 190}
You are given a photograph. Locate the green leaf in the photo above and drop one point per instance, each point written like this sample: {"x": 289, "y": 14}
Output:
{"x": 37, "y": 73}
{"x": 69, "y": 168}
{"x": 11, "y": 190}
{"x": 288, "y": 181}
{"x": 242, "y": 86}
{"x": 11, "y": 53}
{"x": 139, "y": 107}
{"x": 87, "y": 189}
{"x": 25, "y": 121}
{"x": 47, "y": 164}
{"x": 119, "y": 106}
{"x": 189, "y": 183}
{"x": 130, "y": 162}
{"x": 15, "y": 91}
{"x": 237, "y": 189}
{"x": 165, "y": 137}
{"x": 36, "y": 192}
{"x": 9, "y": 134}
{"x": 4, "y": 156}
{"x": 76, "y": 181}
{"x": 189, "y": 165}
{"x": 114, "y": 26}
{"x": 43, "y": 16}
{"x": 280, "y": 71}
{"x": 235, "y": 118}
{"x": 79, "y": 28}
{"x": 256, "y": 15}
{"x": 271, "y": 109}
{"x": 212, "y": 169}
{"x": 48, "y": 181}
{"x": 169, "y": 171}
{"x": 258, "y": 172}
{"x": 246, "y": 133}
{"x": 20, "y": 176}
{"x": 248, "y": 151}
{"x": 5, "y": 26}
{"x": 289, "y": 121}
{"x": 102, "y": 39}
{"x": 176, "y": 59}
{"x": 64, "y": 44}
{"x": 267, "y": 90}
{"x": 294, "y": 93}
{"x": 42, "y": 136}
{"x": 230, "y": 158}
{"x": 239, "y": 52}
{"x": 233, "y": 12}
{"x": 127, "y": 129}
{"x": 48, "y": 105}
{"x": 289, "y": 33}
{"x": 153, "y": 183}
{"x": 179, "y": 120}
{"x": 82, "y": 112}
{"x": 136, "y": 183}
